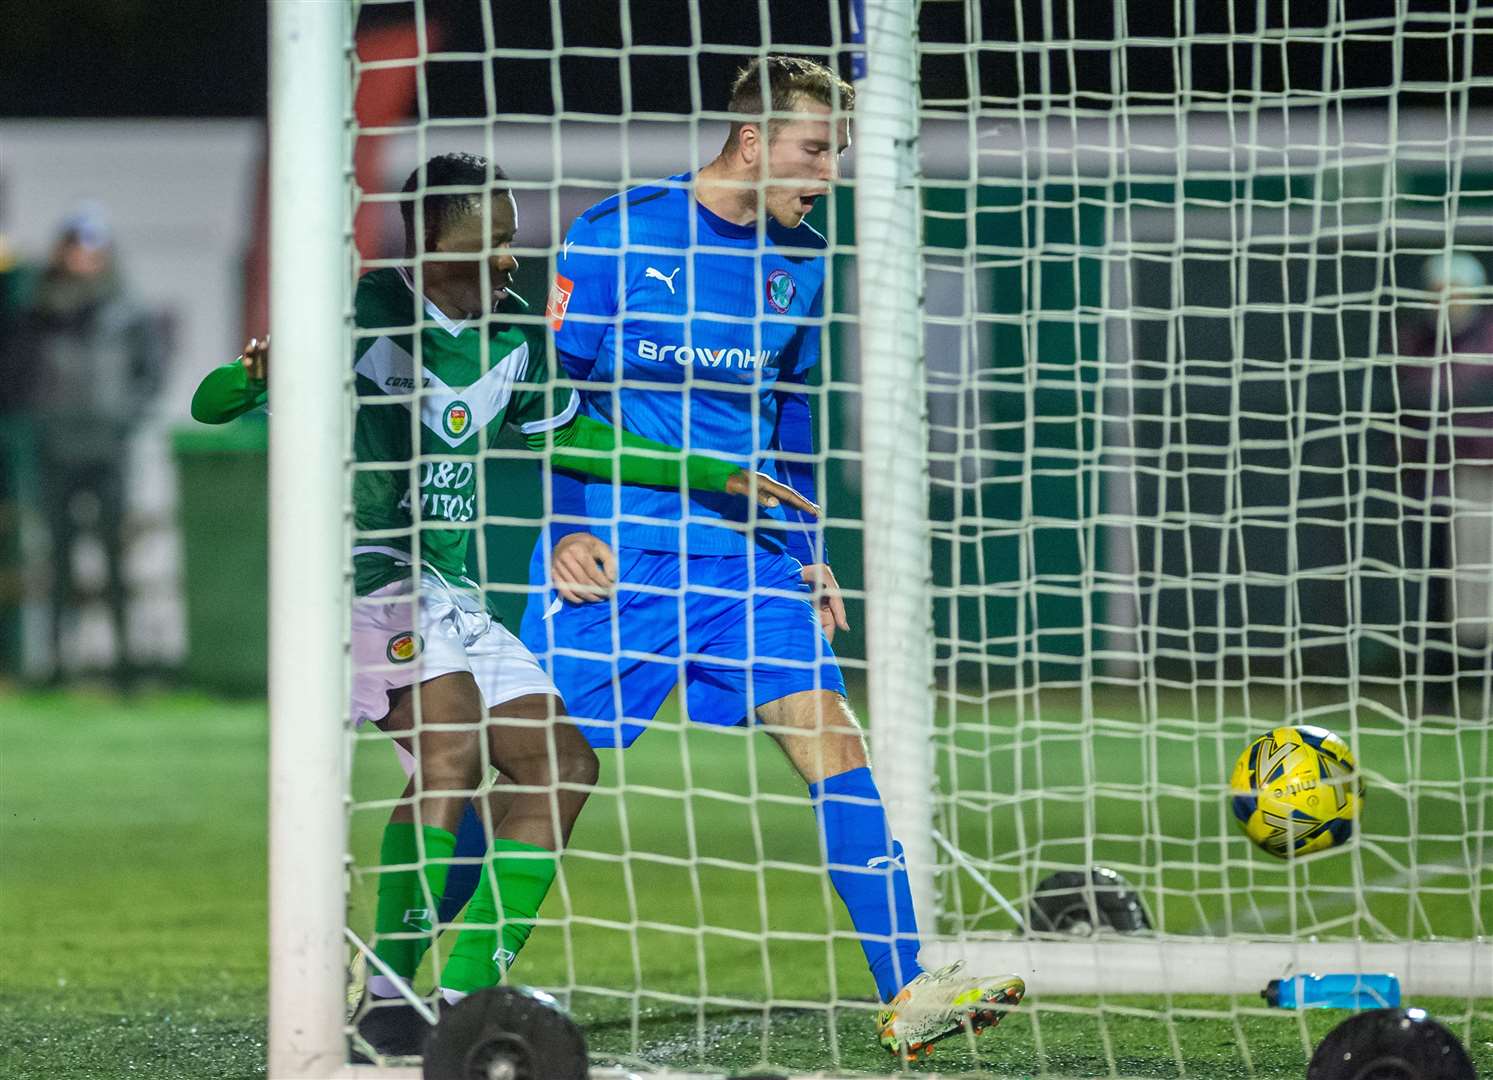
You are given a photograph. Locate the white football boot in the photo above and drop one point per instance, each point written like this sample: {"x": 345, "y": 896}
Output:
{"x": 945, "y": 1002}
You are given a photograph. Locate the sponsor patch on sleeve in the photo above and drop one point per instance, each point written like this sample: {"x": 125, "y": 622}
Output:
{"x": 559, "y": 301}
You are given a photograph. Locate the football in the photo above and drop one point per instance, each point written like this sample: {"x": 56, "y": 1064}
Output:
{"x": 1296, "y": 790}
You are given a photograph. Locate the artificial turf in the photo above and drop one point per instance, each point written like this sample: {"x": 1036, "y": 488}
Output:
{"x": 132, "y": 899}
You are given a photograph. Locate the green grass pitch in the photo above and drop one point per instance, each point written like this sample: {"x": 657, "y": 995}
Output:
{"x": 132, "y": 908}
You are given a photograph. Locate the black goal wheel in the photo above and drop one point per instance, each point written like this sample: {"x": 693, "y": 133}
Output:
{"x": 505, "y": 1033}
{"x": 1390, "y": 1044}
{"x": 1081, "y": 904}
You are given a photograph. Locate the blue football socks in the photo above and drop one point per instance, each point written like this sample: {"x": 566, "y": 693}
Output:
{"x": 867, "y": 870}
{"x": 461, "y": 879}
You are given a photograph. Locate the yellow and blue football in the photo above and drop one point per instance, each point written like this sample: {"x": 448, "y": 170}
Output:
{"x": 1296, "y": 790}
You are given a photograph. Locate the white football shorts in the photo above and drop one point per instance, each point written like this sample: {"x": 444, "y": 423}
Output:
{"x": 392, "y": 649}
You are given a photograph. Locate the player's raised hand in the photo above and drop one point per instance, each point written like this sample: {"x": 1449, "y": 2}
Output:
{"x": 257, "y": 358}
{"x": 769, "y": 492}
{"x": 583, "y": 568}
{"x": 827, "y": 598}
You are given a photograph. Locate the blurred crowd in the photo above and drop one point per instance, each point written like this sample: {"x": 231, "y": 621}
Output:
{"x": 80, "y": 361}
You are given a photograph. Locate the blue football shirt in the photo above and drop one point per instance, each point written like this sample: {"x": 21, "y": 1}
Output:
{"x": 694, "y": 331}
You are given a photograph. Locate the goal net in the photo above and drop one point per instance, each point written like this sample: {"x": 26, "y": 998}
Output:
{"x": 1148, "y": 419}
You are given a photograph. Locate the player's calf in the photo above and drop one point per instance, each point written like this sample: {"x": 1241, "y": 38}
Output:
{"x": 550, "y": 769}
{"x": 820, "y": 736}
{"x": 420, "y": 839}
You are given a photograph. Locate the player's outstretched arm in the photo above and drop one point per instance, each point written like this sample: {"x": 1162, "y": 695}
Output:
{"x": 234, "y": 389}
{"x": 589, "y": 446}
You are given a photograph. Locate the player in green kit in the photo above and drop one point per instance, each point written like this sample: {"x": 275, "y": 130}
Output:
{"x": 418, "y": 619}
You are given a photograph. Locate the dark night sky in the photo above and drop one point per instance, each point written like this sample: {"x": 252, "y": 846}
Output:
{"x": 207, "y": 57}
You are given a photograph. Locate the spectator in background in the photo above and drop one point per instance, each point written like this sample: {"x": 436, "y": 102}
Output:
{"x": 1448, "y": 420}
{"x": 17, "y": 281}
{"x": 16, "y": 277}
{"x": 83, "y": 365}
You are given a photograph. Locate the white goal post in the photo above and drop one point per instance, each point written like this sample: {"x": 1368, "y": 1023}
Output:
{"x": 1111, "y": 393}
{"x": 894, "y": 427}
{"x": 309, "y": 230}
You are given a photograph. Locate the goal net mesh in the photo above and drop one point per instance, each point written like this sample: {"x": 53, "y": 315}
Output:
{"x": 1197, "y": 469}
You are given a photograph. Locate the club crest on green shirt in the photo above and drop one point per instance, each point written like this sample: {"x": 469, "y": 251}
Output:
{"x": 403, "y": 647}
{"x": 457, "y": 418}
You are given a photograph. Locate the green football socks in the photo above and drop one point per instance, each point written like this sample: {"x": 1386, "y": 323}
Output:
{"x": 404, "y": 905}
{"x": 484, "y": 952}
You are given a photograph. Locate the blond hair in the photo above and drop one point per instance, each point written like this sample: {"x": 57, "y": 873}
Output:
{"x": 791, "y": 81}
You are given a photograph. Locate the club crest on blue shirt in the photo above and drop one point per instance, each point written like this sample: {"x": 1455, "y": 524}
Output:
{"x": 780, "y": 290}
{"x": 456, "y": 418}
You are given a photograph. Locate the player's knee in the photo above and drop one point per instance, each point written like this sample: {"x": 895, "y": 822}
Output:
{"x": 573, "y": 763}
{"x": 575, "y": 760}
{"x": 450, "y": 763}
{"x": 813, "y": 712}
{"x": 579, "y": 766}
{"x": 840, "y": 718}
{"x": 843, "y": 752}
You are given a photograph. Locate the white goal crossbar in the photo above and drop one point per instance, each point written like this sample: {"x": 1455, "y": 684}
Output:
{"x": 1188, "y": 965}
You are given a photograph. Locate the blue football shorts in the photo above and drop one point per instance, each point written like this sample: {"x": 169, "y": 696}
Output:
{"x": 750, "y": 632}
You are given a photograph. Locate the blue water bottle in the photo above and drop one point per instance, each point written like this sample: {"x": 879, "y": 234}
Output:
{"x": 1352, "y": 991}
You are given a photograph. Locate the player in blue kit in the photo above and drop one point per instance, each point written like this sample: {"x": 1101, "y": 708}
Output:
{"x": 692, "y": 309}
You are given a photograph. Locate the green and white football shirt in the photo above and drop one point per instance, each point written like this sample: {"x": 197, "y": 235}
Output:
{"x": 418, "y": 457}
